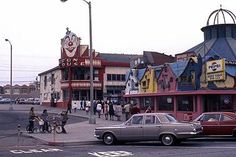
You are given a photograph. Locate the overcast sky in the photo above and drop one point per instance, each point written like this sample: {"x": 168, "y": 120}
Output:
{"x": 35, "y": 28}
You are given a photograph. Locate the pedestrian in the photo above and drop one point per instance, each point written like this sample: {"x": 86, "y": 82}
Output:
{"x": 148, "y": 110}
{"x": 64, "y": 118}
{"x": 127, "y": 111}
{"x": 99, "y": 108}
{"x": 87, "y": 107}
{"x": 111, "y": 111}
{"x": 31, "y": 119}
{"x": 45, "y": 117}
{"x": 135, "y": 109}
{"x": 94, "y": 107}
{"x": 69, "y": 106}
{"x": 106, "y": 109}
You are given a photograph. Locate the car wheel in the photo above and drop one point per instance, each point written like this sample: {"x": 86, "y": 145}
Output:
{"x": 167, "y": 139}
{"x": 109, "y": 139}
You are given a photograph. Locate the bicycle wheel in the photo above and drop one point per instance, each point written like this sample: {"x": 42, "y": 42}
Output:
{"x": 58, "y": 129}
{"x": 27, "y": 128}
{"x": 36, "y": 130}
{"x": 49, "y": 128}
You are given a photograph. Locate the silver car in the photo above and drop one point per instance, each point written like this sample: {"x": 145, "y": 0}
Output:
{"x": 149, "y": 127}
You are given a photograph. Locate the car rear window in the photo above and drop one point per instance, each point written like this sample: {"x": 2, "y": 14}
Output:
{"x": 165, "y": 118}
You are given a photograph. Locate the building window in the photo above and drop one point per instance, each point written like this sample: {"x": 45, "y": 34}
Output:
{"x": 53, "y": 79}
{"x": 166, "y": 103}
{"x": 113, "y": 77}
{"x": 45, "y": 81}
{"x": 108, "y": 77}
{"x": 185, "y": 103}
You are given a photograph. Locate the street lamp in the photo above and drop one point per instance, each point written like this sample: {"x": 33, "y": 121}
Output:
{"x": 11, "y": 106}
{"x": 92, "y": 119}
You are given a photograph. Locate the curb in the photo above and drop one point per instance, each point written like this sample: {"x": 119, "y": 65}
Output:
{"x": 55, "y": 143}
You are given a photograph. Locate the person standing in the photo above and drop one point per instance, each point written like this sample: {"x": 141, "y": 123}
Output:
{"x": 31, "y": 120}
{"x": 99, "y": 108}
{"x": 69, "y": 106}
{"x": 64, "y": 118}
{"x": 127, "y": 111}
{"x": 148, "y": 110}
{"x": 106, "y": 109}
{"x": 44, "y": 116}
{"x": 111, "y": 111}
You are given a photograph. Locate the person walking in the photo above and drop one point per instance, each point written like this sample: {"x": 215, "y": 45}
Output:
{"x": 64, "y": 118}
{"x": 99, "y": 108}
{"x": 31, "y": 119}
{"x": 44, "y": 116}
{"x": 106, "y": 109}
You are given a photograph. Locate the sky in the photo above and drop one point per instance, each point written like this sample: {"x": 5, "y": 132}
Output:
{"x": 35, "y": 28}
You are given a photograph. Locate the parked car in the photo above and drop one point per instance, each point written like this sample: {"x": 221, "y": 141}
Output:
{"x": 149, "y": 127}
{"x": 6, "y": 101}
{"x": 218, "y": 123}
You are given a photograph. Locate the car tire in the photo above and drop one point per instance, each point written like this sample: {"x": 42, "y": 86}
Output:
{"x": 109, "y": 139}
{"x": 168, "y": 139}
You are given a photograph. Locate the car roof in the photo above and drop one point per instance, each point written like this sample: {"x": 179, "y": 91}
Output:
{"x": 153, "y": 113}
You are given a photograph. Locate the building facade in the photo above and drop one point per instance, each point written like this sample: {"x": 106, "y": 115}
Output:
{"x": 202, "y": 79}
{"x": 70, "y": 80}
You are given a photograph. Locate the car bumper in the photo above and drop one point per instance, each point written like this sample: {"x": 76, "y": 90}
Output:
{"x": 191, "y": 134}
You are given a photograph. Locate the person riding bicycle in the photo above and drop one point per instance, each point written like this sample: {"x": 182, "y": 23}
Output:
{"x": 31, "y": 119}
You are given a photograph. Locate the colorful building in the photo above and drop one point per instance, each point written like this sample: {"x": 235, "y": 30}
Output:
{"x": 202, "y": 79}
{"x": 70, "y": 80}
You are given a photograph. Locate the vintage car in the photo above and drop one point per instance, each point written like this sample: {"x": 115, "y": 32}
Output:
{"x": 149, "y": 127}
{"x": 218, "y": 123}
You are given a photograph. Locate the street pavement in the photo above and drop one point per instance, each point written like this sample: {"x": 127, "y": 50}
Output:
{"x": 77, "y": 133}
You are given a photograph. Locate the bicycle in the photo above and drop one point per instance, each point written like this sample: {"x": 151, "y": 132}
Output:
{"x": 54, "y": 123}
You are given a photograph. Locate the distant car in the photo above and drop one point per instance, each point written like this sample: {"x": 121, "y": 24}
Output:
{"x": 6, "y": 101}
{"x": 149, "y": 127}
{"x": 218, "y": 123}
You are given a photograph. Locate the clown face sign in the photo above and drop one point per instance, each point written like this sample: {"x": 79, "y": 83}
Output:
{"x": 70, "y": 45}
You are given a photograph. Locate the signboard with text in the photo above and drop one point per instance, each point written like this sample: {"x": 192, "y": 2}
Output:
{"x": 215, "y": 70}
{"x": 76, "y": 62}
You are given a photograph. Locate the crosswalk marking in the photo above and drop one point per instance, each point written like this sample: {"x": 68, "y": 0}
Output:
{"x": 111, "y": 154}
{"x": 30, "y": 151}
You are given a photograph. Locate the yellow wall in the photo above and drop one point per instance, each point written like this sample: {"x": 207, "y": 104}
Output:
{"x": 148, "y": 83}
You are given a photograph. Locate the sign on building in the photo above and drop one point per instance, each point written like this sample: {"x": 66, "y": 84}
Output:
{"x": 215, "y": 70}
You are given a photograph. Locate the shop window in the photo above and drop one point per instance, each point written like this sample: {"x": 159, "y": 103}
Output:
{"x": 185, "y": 103}
{"x": 165, "y": 103}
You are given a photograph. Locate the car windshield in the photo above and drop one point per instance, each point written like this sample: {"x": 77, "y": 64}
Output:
{"x": 166, "y": 118}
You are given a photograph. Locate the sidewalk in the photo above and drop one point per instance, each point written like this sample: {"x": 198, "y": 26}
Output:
{"x": 77, "y": 133}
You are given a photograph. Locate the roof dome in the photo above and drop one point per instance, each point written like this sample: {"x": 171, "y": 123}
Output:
{"x": 221, "y": 16}
{"x": 219, "y": 36}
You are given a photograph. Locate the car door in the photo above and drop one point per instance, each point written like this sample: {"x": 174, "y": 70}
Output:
{"x": 151, "y": 127}
{"x": 210, "y": 123}
{"x": 227, "y": 125}
{"x": 133, "y": 129}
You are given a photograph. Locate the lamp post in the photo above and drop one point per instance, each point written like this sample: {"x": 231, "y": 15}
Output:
{"x": 92, "y": 119}
{"x": 11, "y": 106}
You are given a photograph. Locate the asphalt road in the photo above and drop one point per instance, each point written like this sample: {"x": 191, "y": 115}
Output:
{"x": 203, "y": 148}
